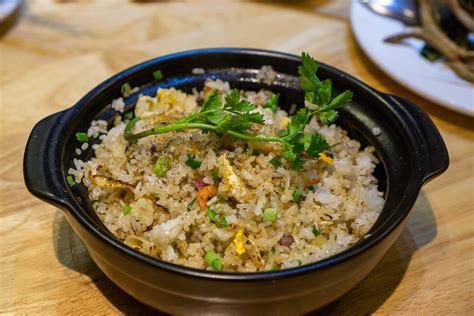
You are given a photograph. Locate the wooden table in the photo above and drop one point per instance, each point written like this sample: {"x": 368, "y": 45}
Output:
{"x": 59, "y": 51}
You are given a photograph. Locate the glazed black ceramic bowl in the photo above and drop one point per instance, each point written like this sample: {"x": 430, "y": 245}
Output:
{"x": 409, "y": 146}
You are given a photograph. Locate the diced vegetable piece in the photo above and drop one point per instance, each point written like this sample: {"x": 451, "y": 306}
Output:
{"x": 286, "y": 240}
{"x": 275, "y": 162}
{"x": 200, "y": 184}
{"x": 70, "y": 180}
{"x": 127, "y": 209}
{"x": 129, "y": 115}
{"x": 194, "y": 164}
{"x": 126, "y": 90}
{"x": 191, "y": 205}
{"x": 216, "y": 176}
{"x": 157, "y": 75}
{"x": 315, "y": 231}
{"x": 161, "y": 166}
{"x": 297, "y": 196}
{"x": 204, "y": 194}
{"x": 269, "y": 215}
{"x": 213, "y": 260}
{"x": 82, "y": 137}
{"x": 215, "y": 218}
{"x": 273, "y": 103}
{"x": 273, "y": 250}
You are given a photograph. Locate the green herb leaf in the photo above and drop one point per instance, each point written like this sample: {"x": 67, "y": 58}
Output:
{"x": 234, "y": 103}
{"x": 157, "y": 74}
{"x": 328, "y": 117}
{"x": 273, "y": 103}
{"x": 161, "y": 166}
{"x": 315, "y": 231}
{"x": 297, "y": 196}
{"x": 317, "y": 145}
{"x": 215, "y": 218}
{"x": 340, "y": 100}
{"x": 126, "y": 90}
{"x": 273, "y": 250}
{"x": 269, "y": 215}
{"x": 127, "y": 209}
{"x": 70, "y": 181}
{"x": 307, "y": 71}
{"x": 82, "y": 137}
{"x": 194, "y": 164}
{"x": 212, "y": 102}
{"x": 213, "y": 260}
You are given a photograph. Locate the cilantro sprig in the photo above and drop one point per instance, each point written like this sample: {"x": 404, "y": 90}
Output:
{"x": 237, "y": 117}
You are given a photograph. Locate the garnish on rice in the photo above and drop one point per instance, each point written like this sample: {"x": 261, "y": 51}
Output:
{"x": 237, "y": 117}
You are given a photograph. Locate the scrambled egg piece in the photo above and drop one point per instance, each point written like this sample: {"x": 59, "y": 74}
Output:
{"x": 231, "y": 181}
{"x": 239, "y": 242}
{"x": 168, "y": 104}
{"x": 325, "y": 158}
{"x": 284, "y": 121}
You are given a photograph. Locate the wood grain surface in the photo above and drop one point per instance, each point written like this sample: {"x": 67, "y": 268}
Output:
{"x": 59, "y": 50}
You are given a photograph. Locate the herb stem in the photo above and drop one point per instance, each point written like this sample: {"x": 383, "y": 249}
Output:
{"x": 168, "y": 128}
{"x": 182, "y": 126}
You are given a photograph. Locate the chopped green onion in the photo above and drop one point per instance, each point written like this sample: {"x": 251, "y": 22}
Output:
{"x": 275, "y": 162}
{"x": 129, "y": 128}
{"x": 126, "y": 90}
{"x": 127, "y": 209}
{"x": 216, "y": 176}
{"x": 300, "y": 263}
{"x": 191, "y": 205}
{"x": 269, "y": 215}
{"x": 255, "y": 152}
{"x": 161, "y": 166}
{"x": 215, "y": 218}
{"x": 158, "y": 75}
{"x": 70, "y": 180}
{"x": 297, "y": 196}
{"x": 194, "y": 164}
{"x": 274, "y": 268}
{"x": 311, "y": 187}
{"x": 128, "y": 116}
{"x": 273, "y": 250}
{"x": 273, "y": 103}
{"x": 213, "y": 260}
{"x": 82, "y": 137}
{"x": 315, "y": 231}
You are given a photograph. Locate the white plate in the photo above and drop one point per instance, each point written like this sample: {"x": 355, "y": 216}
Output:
{"x": 403, "y": 62}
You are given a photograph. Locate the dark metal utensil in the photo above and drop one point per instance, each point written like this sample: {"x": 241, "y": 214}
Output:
{"x": 405, "y": 11}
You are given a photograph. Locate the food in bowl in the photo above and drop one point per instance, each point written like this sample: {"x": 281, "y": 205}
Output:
{"x": 224, "y": 180}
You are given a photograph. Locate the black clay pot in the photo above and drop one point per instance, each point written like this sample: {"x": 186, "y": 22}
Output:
{"x": 409, "y": 145}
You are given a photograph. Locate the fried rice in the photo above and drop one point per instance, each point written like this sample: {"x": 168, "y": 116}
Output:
{"x": 241, "y": 203}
